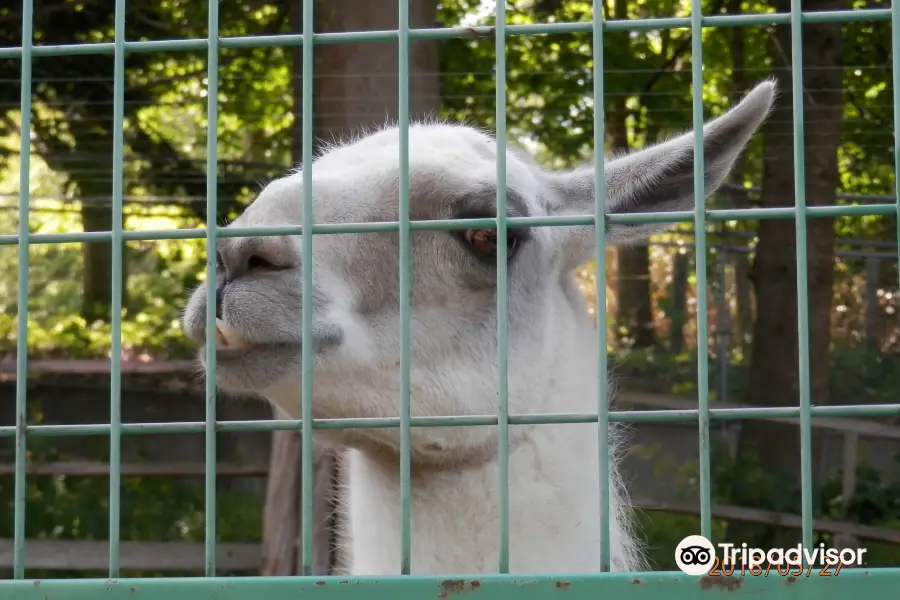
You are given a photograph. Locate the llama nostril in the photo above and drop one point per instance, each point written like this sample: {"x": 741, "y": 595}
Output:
{"x": 257, "y": 262}
{"x": 220, "y": 292}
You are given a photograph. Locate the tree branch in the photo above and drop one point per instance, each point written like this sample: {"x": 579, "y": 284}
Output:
{"x": 677, "y": 53}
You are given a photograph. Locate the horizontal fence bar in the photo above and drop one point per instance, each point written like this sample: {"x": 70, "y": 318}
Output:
{"x": 447, "y": 33}
{"x": 860, "y": 426}
{"x": 88, "y": 468}
{"x": 642, "y": 402}
{"x": 635, "y": 416}
{"x": 867, "y": 583}
{"x": 742, "y": 214}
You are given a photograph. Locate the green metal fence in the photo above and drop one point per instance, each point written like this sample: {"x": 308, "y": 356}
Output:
{"x": 873, "y": 583}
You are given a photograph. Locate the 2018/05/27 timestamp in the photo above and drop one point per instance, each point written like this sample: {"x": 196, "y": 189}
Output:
{"x": 726, "y": 568}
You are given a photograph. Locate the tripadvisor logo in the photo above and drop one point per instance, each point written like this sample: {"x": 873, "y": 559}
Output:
{"x": 696, "y": 555}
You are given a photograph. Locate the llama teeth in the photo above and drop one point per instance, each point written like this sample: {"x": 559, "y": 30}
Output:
{"x": 221, "y": 342}
{"x": 226, "y": 337}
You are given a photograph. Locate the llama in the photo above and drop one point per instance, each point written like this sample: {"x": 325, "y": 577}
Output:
{"x": 554, "y": 487}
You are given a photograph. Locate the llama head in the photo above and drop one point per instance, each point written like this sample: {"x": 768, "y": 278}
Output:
{"x": 453, "y": 275}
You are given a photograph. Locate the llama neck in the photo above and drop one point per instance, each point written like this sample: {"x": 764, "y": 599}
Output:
{"x": 554, "y": 519}
{"x": 554, "y": 488}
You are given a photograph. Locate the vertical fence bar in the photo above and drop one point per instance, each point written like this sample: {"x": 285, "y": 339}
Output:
{"x": 600, "y": 285}
{"x": 115, "y": 383}
{"x": 895, "y": 70}
{"x": 212, "y": 231}
{"x": 700, "y": 250}
{"x": 802, "y": 290}
{"x": 403, "y": 109}
{"x": 20, "y": 486}
{"x": 306, "y": 458}
{"x": 502, "y": 316}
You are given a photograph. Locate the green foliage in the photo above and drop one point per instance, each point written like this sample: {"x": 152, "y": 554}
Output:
{"x": 857, "y": 375}
{"x": 660, "y": 533}
{"x": 165, "y": 150}
{"x": 161, "y": 271}
{"x": 875, "y": 502}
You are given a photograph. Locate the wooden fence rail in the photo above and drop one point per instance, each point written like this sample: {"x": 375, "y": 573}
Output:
{"x": 189, "y": 556}
{"x": 150, "y": 556}
{"x": 86, "y": 468}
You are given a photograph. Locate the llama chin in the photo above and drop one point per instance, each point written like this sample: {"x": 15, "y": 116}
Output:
{"x": 554, "y": 487}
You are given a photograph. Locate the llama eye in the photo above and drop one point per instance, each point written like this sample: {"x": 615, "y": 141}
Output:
{"x": 484, "y": 241}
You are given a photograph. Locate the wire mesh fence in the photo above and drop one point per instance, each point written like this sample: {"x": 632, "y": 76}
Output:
{"x": 874, "y": 582}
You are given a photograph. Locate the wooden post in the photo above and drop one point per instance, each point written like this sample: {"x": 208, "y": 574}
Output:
{"x": 282, "y": 530}
{"x": 281, "y": 523}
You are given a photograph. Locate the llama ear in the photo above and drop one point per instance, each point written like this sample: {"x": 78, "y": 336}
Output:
{"x": 656, "y": 179}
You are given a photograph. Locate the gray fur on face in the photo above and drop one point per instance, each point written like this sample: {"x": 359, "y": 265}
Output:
{"x": 453, "y": 302}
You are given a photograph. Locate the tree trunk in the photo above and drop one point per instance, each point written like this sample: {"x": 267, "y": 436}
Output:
{"x": 356, "y": 87}
{"x": 635, "y": 319}
{"x": 775, "y": 448}
{"x": 635, "y": 309}
{"x": 97, "y": 256}
{"x": 95, "y": 192}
